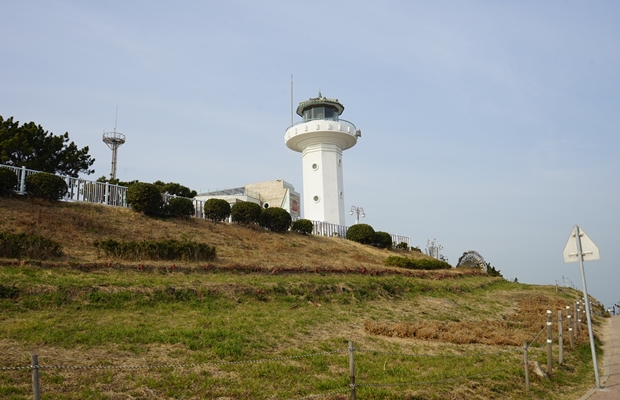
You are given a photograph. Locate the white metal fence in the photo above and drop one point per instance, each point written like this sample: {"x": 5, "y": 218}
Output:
{"x": 115, "y": 195}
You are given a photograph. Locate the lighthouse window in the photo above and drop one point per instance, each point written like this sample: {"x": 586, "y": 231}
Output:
{"x": 319, "y": 112}
{"x": 330, "y": 113}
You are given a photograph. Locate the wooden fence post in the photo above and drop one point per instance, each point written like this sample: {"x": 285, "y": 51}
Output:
{"x": 351, "y": 370}
{"x": 526, "y": 366}
{"x": 35, "y": 376}
{"x": 549, "y": 343}
{"x": 560, "y": 338}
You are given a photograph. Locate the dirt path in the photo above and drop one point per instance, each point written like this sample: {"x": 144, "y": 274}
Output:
{"x": 610, "y": 379}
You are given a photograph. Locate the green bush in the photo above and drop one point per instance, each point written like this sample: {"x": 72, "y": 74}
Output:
{"x": 275, "y": 219}
{"x": 361, "y": 233}
{"x": 492, "y": 271}
{"x": 246, "y": 213}
{"x": 383, "y": 240}
{"x": 303, "y": 226}
{"x": 217, "y": 210}
{"x": 402, "y": 246}
{"x": 422, "y": 263}
{"x": 22, "y": 245}
{"x": 8, "y": 181}
{"x": 180, "y": 207}
{"x": 46, "y": 186}
{"x": 157, "y": 250}
{"x": 144, "y": 198}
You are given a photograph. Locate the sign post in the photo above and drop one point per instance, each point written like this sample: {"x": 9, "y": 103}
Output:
{"x": 581, "y": 248}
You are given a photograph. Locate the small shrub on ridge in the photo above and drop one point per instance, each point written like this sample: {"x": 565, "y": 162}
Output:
{"x": 383, "y": 240}
{"x": 180, "y": 207}
{"x": 217, "y": 210}
{"x": 8, "y": 181}
{"x": 275, "y": 219}
{"x": 46, "y": 186}
{"x": 303, "y": 226}
{"x": 246, "y": 213}
{"x": 361, "y": 233}
{"x": 144, "y": 198}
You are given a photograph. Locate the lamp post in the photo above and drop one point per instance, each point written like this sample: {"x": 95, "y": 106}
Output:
{"x": 357, "y": 211}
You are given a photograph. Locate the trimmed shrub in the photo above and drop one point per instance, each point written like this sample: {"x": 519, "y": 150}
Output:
{"x": 383, "y": 240}
{"x": 22, "y": 245}
{"x": 157, "y": 250}
{"x": 402, "y": 246}
{"x": 144, "y": 198}
{"x": 246, "y": 213}
{"x": 46, "y": 186}
{"x": 361, "y": 233}
{"x": 275, "y": 219}
{"x": 180, "y": 207}
{"x": 217, "y": 210}
{"x": 422, "y": 263}
{"x": 303, "y": 226}
{"x": 8, "y": 180}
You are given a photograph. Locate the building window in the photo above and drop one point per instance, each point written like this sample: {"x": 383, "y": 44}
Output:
{"x": 316, "y": 199}
{"x": 315, "y": 166}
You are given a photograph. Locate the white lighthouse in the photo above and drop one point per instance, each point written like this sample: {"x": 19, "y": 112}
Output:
{"x": 321, "y": 137}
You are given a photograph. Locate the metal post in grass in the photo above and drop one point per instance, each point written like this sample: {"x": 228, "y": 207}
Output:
{"x": 569, "y": 323}
{"x": 549, "y": 343}
{"x": 560, "y": 339}
{"x": 352, "y": 370}
{"x": 526, "y": 366}
{"x": 35, "y": 376}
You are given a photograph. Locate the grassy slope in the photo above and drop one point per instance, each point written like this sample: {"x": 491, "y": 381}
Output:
{"x": 123, "y": 316}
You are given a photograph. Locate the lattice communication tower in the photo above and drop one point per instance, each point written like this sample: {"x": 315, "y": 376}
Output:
{"x": 114, "y": 140}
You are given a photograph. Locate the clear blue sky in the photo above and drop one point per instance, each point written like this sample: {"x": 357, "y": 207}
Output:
{"x": 491, "y": 126}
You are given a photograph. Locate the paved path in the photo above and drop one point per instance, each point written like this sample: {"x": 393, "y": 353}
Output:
{"x": 610, "y": 379}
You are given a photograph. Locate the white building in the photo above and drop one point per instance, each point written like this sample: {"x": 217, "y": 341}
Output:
{"x": 276, "y": 193}
{"x": 321, "y": 138}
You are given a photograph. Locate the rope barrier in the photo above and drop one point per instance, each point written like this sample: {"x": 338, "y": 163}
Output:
{"x": 433, "y": 382}
{"x": 539, "y": 333}
{"x": 162, "y": 366}
{"x": 316, "y": 396}
{"x": 436, "y": 355}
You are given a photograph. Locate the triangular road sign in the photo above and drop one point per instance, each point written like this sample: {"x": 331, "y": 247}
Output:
{"x": 588, "y": 248}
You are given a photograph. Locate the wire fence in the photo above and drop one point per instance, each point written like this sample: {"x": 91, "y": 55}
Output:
{"x": 507, "y": 356}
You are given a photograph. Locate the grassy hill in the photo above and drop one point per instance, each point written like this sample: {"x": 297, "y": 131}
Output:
{"x": 271, "y": 317}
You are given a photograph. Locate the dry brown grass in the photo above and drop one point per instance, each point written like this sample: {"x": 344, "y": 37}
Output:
{"x": 507, "y": 329}
{"x": 78, "y": 225}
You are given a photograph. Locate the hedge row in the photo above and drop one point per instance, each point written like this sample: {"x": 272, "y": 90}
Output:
{"x": 409, "y": 263}
{"x": 23, "y": 245}
{"x": 157, "y": 250}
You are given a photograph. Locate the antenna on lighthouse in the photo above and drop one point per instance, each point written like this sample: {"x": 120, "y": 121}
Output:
{"x": 291, "y": 99}
{"x": 114, "y": 140}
